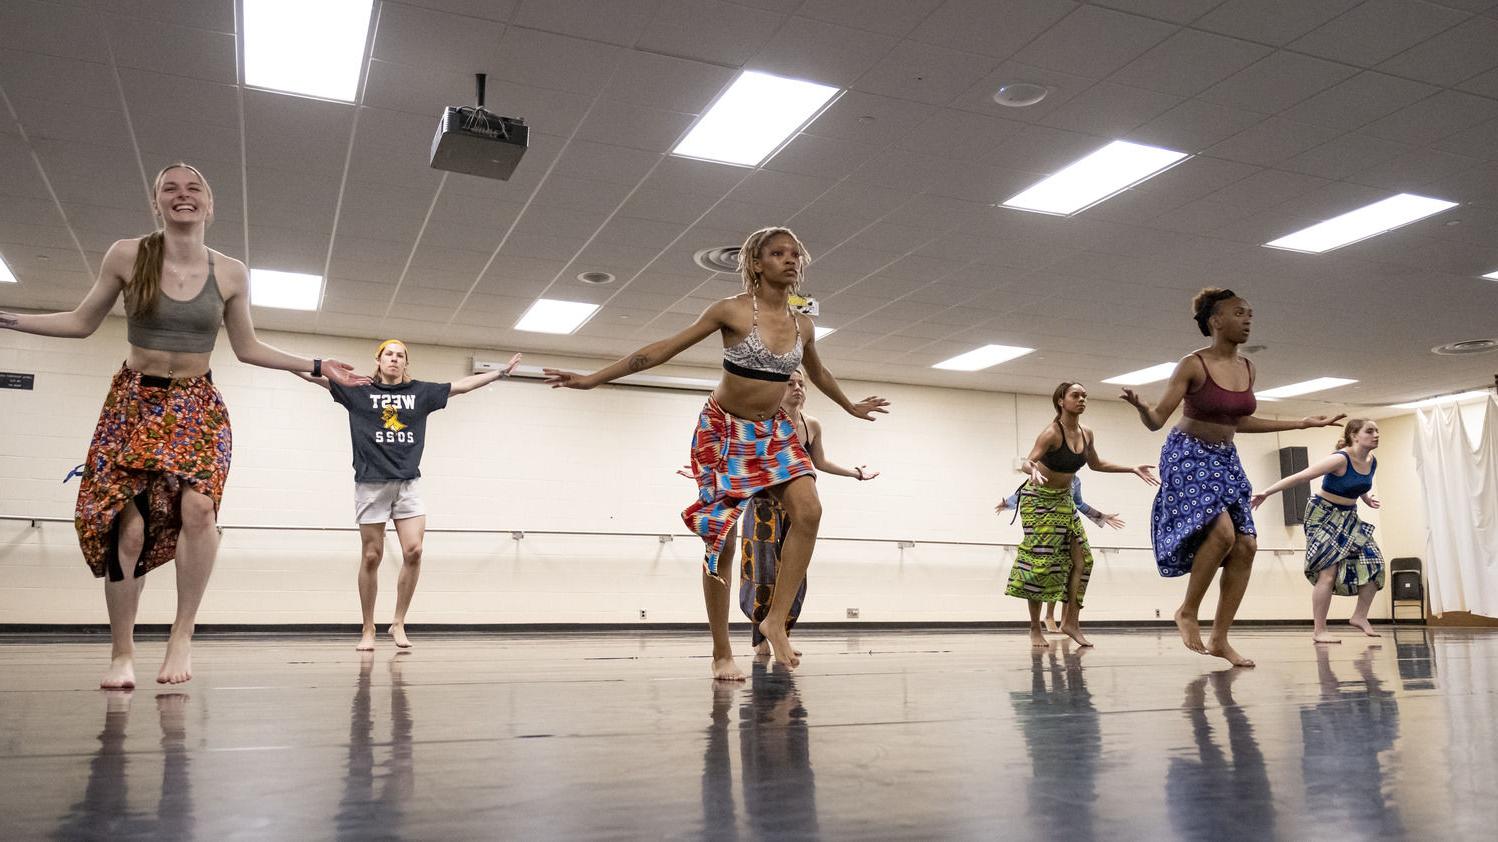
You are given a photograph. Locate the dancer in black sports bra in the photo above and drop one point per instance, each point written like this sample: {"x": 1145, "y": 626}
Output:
{"x": 1053, "y": 562}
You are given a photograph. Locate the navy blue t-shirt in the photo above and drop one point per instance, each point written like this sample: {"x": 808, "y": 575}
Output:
{"x": 388, "y": 425}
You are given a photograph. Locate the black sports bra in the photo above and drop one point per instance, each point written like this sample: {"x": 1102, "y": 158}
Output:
{"x": 1062, "y": 459}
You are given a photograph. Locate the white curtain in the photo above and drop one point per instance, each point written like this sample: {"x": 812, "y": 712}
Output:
{"x": 1461, "y": 508}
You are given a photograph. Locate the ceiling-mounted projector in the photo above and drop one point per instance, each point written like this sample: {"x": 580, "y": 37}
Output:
{"x": 476, "y": 141}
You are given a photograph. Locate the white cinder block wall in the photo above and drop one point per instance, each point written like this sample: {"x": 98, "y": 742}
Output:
{"x": 516, "y": 455}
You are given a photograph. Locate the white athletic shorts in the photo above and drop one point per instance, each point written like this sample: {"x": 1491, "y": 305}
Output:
{"x": 378, "y": 502}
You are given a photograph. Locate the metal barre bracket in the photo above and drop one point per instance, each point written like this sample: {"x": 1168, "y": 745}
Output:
{"x": 905, "y": 545}
{"x": 518, "y": 535}
{"x": 664, "y": 539}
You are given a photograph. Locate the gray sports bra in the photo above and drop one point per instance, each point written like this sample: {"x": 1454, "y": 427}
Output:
{"x": 188, "y": 326}
{"x": 750, "y": 357}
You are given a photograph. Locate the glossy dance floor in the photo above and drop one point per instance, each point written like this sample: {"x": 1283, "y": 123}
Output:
{"x": 897, "y": 735}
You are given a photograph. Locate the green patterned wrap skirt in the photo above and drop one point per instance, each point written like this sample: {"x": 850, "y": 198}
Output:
{"x": 1043, "y": 564}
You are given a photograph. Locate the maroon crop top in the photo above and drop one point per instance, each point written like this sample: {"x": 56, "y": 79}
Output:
{"x": 1215, "y": 405}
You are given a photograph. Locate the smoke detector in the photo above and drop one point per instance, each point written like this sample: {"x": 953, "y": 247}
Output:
{"x": 1466, "y": 346}
{"x": 1020, "y": 94}
{"x": 719, "y": 259}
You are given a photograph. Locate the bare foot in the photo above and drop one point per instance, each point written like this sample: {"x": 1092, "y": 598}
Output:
{"x": 120, "y": 675}
{"x": 1363, "y": 624}
{"x": 1075, "y": 633}
{"x": 398, "y": 634}
{"x": 1221, "y": 649}
{"x": 1037, "y": 639}
{"x": 1052, "y": 626}
{"x": 1325, "y": 637}
{"x": 176, "y": 667}
{"x": 1191, "y": 632}
{"x": 366, "y": 641}
{"x": 725, "y": 669}
{"x": 780, "y": 644}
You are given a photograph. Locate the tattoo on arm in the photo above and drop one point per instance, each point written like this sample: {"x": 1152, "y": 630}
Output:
{"x": 639, "y": 362}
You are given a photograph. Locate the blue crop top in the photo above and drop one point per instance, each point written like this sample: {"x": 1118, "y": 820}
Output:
{"x": 1351, "y": 484}
{"x": 750, "y": 357}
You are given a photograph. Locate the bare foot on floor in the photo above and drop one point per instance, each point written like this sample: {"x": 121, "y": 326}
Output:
{"x": 1228, "y": 653}
{"x": 398, "y": 634}
{"x": 780, "y": 644}
{"x": 1191, "y": 632}
{"x": 1325, "y": 637}
{"x": 1037, "y": 639}
{"x": 726, "y": 669}
{"x": 762, "y": 649}
{"x": 1363, "y": 624}
{"x": 120, "y": 675}
{"x": 1052, "y": 627}
{"x": 176, "y": 667}
{"x": 1075, "y": 633}
{"x": 366, "y": 641}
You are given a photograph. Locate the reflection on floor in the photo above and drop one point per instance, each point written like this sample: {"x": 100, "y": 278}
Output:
{"x": 894, "y": 735}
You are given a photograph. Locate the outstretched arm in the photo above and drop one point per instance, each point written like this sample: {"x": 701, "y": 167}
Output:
{"x": 84, "y": 319}
{"x": 316, "y": 381}
{"x": 1096, "y": 462}
{"x": 1154, "y": 417}
{"x": 1254, "y": 424}
{"x": 818, "y": 374}
{"x": 1319, "y": 469}
{"x": 475, "y": 381}
{"x": 827, "y": 466}
{"x": 248, "y": 347}
{"x": 712, "y": 320}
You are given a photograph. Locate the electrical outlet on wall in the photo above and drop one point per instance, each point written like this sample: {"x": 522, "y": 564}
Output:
{"x": 642, "y": 613}
{"x": 853, "y": 613}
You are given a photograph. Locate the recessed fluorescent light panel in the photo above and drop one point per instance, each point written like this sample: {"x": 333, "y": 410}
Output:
{"x": 985, "y": 357}
{"x": 286, "y": 290}
{"x": 781, "y": 107}
{"x": 1106, "y": 172}
{"x": 549, "y": 315}
{"x": 1492, "y": 276}
{"x": 300, "y": 47}
{"x": 6, "y": 276}
{"x": 823, "y": 331}
{"x": 1144, "y": 375}
{"x": 1320, "y": 384}
{"x": 1368, "y": 221}
{"x": 1462, "y": 397}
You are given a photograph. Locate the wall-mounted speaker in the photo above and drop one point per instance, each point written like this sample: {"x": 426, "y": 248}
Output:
{"x": 1293, "y": 460}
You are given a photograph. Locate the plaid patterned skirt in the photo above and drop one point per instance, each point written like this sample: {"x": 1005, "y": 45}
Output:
{"x": 1043, "y": 565}
{"x": 763, "y": 532}
{"x": 154, "y": 436}
{"x": 1336, "y": 537}
{"x": 1199, "y": 480}
{"x": 733, "y": 460}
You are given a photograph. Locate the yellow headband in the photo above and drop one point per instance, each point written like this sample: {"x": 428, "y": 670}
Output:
{"x": 380, "y": 350}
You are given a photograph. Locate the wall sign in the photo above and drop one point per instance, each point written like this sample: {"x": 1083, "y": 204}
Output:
{"x": 14, "y": 380}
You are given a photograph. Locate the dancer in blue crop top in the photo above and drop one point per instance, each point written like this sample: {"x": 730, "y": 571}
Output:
{"x": 1341, "y": 556}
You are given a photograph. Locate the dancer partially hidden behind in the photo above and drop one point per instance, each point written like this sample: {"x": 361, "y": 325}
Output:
{"x": 766, "y": 525}
{"x": 156, "y": 467}
{"x": 1097, "y": 516}
{"x": 1341, "y": 556}
{"x": 387, "y": 421}
{"x": 745, "y": 442}
{"x": 1202, "y": 518}
{"x": 1054, "y": 563}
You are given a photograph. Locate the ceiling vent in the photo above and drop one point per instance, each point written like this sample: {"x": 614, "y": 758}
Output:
{"x": 1466, "y": 346}
{"x": 596, "y": 278}
{"x": 719, "y": 259}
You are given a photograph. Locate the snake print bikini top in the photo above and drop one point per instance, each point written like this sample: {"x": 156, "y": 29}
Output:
{"x": 750, "y": 357}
